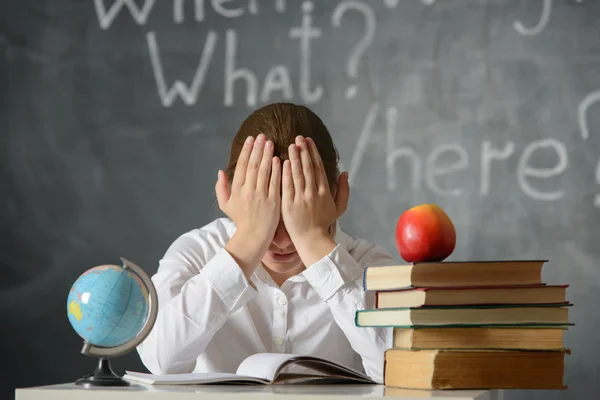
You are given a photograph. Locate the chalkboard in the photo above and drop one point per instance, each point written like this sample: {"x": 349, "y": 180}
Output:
{"x": 116, "y": 115}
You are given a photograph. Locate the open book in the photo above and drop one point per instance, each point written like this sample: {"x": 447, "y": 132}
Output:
{"x": 265, "y": 369}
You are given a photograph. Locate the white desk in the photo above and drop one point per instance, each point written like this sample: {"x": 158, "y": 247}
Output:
{"x": 70, "y": 391}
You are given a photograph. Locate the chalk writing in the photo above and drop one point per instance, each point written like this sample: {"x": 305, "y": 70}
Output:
{"x": 390, "y": 163}
{"x": 362, "y": 45}
{"x": 537, "y": 29}
{"x": 597, "y": 197}
{"x": 432, "y": 169}
{"x": 106, "y": 18}
{"x": 305, "y": 34}
{"x": 189, "y": 95}
{"x": 228, "y": 12}
{"x": 280, "y": 5}
{"x": 278, "y": 78}
{"x": 217, "y": 5}
{"x": 140, "y": 14}
{"x": 178, "y": 11}
{"x": 362, "y": 142}
{"x": 394, "y": 3}
{"x": 233, "y": 73}
{"x": 394, "y": 154}
{"x": 524, "y": 170}
{"x": 487, "y": 155}
{"x": 582, "y": 110}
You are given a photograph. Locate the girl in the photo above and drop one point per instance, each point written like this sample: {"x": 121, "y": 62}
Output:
{"x": 276, "y": 275}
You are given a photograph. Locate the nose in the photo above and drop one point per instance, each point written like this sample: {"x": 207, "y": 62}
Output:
{"x": 282, "y": 238}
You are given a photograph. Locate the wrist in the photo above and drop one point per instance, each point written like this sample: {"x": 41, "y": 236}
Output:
{"x": 247, "y": 249}
{"x": 313, "y": 246}
{"x": 310, "y": 236}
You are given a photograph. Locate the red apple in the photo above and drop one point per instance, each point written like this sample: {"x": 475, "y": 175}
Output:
{"x": 425, "y": 233}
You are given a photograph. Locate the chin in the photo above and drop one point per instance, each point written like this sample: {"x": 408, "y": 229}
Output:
{"x": 282, "y": 266}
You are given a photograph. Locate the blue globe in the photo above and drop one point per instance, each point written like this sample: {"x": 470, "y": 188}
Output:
{"x": 108, "y": 305}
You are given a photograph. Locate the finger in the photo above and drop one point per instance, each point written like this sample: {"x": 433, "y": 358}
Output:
{"x": 239, "y": 176}
{"x": 222, "y": 190}
{"x": 275, "y": 184}
{"x": 264, "y": 171}
{"x": 307, "y": 166}
{"x": 320, "y": 175}
{"x": 287, "y": 183}
{"x": 342, "y": 194}
{"x": 297, "y": 174}
{"x": 254, "y": 161}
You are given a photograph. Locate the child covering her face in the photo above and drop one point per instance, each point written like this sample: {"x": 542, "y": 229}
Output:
{"x": 277, "y": 274}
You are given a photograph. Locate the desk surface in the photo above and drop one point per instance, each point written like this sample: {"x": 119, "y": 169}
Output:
{"x": 69, "y": 391}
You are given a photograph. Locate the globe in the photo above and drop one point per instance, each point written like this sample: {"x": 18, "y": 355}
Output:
{"x": 112, "y": 308}
{"x": 107, "y": 305}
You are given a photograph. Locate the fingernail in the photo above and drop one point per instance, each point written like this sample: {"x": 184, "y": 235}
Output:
{"x": 249, "y": 139}
{"x": 269, "y": 144}
{"x": 260, "y": 138}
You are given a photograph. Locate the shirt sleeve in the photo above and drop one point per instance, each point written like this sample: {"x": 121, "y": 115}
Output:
{"x": 198, "y": 285}
{"x": 338, "y": 279}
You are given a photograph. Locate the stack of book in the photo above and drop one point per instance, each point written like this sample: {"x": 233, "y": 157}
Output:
{"x": 469, "y": 325}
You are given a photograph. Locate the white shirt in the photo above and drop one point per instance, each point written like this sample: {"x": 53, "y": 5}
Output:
{"x": 210, "y": 318}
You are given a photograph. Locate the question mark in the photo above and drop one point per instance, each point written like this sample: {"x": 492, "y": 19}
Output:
{"x": 597, "y": 198}
{"x": 394, "y": 3}
{"x": 541, "y": 25}
{"x": 585, "y": 104}
{"x": 360, "y": 47}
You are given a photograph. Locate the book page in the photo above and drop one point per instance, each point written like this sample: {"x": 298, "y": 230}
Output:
{"x": 261, "y": 368}
{"x": 330, "y": 369}
{"x": 189, "y": 378}
{"x": 264, "y": 365}
{"x": 269, "y": 365}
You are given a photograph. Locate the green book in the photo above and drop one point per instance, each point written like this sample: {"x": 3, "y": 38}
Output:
{"x": 508, "y": 315}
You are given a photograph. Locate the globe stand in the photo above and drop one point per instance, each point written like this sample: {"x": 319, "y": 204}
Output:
{"x": 102, "y": 376}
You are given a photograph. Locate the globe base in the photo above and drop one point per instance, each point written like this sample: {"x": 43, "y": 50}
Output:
{"x": 102, "y": 376}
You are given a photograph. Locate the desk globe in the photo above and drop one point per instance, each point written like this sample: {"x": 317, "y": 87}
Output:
{"x": 112, "y": 308}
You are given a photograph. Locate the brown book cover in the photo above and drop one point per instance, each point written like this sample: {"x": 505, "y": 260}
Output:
{"x": 469, "y": 295}
{"x": 453, "y": 273}
{"x": 480, "y": 338}
{"x": 474, "y": 369}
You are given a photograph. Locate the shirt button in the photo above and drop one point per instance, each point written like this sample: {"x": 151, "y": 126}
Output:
{"x": 278, "y": 341}
{"x": 281, "y": 300}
